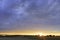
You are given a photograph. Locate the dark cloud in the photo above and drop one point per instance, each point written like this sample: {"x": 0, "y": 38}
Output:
{"x": 15, "y": 13}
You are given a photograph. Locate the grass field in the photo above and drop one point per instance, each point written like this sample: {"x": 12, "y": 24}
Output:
{"x": 28, "y": 37}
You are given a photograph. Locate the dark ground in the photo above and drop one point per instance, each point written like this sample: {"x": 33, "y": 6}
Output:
{"x": 29, "y": 37}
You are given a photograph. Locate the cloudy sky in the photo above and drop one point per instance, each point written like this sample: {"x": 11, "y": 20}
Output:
{"x": 35, "y": 15}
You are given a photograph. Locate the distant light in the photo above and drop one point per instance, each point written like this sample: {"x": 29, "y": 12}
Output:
{"x": 40, "y": 34}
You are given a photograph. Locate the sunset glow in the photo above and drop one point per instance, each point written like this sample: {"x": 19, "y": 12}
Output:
{"x": 41, "y": 34}
{"x": 35, "y": 33}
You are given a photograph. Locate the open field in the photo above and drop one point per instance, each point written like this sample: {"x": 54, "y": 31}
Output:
{"x": 27, "y": 37}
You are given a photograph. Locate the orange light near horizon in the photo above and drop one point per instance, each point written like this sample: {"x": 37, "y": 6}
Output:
{"x": 40, "y": 34}
{"x": 32, "y": 33}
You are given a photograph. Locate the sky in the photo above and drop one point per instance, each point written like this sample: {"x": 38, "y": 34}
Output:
{"x": 30, "y": 16}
